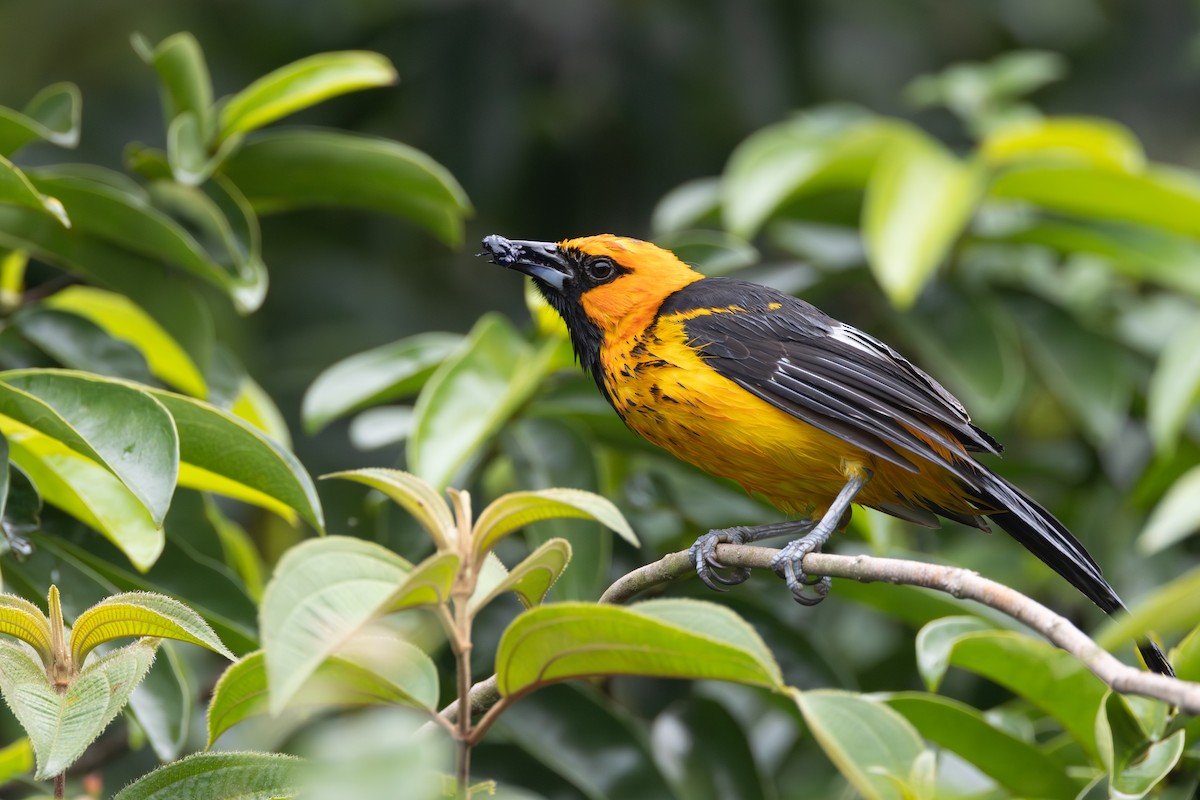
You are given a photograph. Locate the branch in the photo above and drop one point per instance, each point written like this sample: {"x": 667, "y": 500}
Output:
{"x": 958, "y": 582}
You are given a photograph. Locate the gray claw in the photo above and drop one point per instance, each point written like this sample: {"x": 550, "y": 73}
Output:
{"x": 703, "y": 554}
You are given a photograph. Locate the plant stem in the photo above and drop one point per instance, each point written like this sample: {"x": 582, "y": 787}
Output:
{"x": 460, "y": 640}
{"x": 60, "y": 786}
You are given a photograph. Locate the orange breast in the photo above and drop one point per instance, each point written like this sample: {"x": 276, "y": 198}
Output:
{"x": 667, "y": 394}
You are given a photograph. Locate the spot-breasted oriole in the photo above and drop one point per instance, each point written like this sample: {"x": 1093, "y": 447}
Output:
{"x": 755, "y": 385}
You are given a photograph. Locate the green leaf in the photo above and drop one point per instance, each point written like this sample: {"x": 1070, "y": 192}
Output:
{"x": 1089, "y": 141}
{"x": 52, "y": 116}
{"x": 1156, "y": 197}
{"x": 16, "y": 759}
{"x": 1174, "y": 606}
{"x": 375, "y": 376}
{"x": 25, "y": 621}
{"x": 412, "y": 494}
{"x": 16, "y": 188}
{"x": 125, "y": 430}
{"x": 936, "y": 641}
{"x": 163, "y": 702}
{"x": 1135, "y": 764}
{"x": 186, "y": 85}
{"x": 61, "y": 726}
{"x": 302, "y": 84}
{"x": 1176, "y": 516}
{"x": 284, "y": 170}
{"x": 1174, "y": 387}
{"x": 659, "y": 638}
{"x": 532, "y": 578}
{"x": 90, "y": 493}
{"x": 1051, "y": 679}
{"x": 141, "y": 614}
{"x": 517, "y": 509}
{"x": 394, "y": 672}
{"x": 832, "y": 148}
{"x": 470, "y": 396}
{"x": 873, "y": 747}
{"x": 325, "y": 590}
{"x": 686, "y": 205}
{"x": 80, "y": 344}
{"x": 220, "y": 776}
{"x": 918, "y": 202}
{"x": 964, "y": 731}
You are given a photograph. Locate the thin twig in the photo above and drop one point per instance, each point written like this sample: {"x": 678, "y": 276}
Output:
{"x": 959, "y": 582}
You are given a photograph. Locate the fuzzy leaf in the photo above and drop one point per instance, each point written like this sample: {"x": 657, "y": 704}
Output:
{"x": 25, "y": 621}
{"x": 220, "y": 776}
{"x": 517, "y": 509}
{"x": 141, "y": 614}
{"x": 533, "y": 577}
{"x": 412, "y": 494}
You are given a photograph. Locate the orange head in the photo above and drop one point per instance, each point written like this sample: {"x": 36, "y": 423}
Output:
{"x": 605, "y": 287}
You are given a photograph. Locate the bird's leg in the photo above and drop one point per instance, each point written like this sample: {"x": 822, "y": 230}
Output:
{"x": 703, "y": 552}
{"x": 787, "y": 564}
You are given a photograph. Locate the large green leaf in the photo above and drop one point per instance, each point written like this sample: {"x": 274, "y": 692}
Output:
{"x": 1135, "y": 764}
{"x": 140, "y": 614}
{"x": 61, "y": 726}
{"x": 1080, "y": 140}
{"x": 918, "y": 202}
{"x": 283, "y": 170}
{"x": 325, "y": 590}
{"x": 301, "y": 84}
{"x": 1017, "y": 765}
{"x": 658, "y": 638}
{"x": 515, "y": 510}
{"x": 1174, "y": 606}
{"x": 52, "y": 116}
{"x": 470, "y": 396}
{"x": 220, "y": 776}
{"x": 183, "y": 73}
{"x": 376, "y": 376}
{"x": 873, "y": 747}
{"x": 120, "y": 427}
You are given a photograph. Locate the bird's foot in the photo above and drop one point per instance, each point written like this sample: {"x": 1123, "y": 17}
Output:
{"x": 712, "y": 572}
{"x": 788, "y": 564}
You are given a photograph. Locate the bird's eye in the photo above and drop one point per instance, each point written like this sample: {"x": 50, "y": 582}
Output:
{"x": 601, "y": 269}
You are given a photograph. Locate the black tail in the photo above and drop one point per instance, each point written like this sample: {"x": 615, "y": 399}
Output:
{"x": 1048, "y": 539}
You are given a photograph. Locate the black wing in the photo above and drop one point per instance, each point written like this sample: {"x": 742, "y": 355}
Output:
{"x": 828, "y": 374}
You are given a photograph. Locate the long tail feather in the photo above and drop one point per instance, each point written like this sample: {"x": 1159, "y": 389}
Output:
{"x": 1048, "y": 539}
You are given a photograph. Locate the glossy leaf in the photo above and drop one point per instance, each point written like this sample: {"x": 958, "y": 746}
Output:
{"x": 1135, "y": 765}
{"x": 61, "y": 726}
{"x": 658, "y": 638}
{"x": 324, "y": 591}
{"x": 220, "y": 776}
{"x": 995, "y": 752}
{"x": 533, "y": 577}
{"x": 141, "y": 614}
{"x": 118, "y": 426}
{"x": 1095, "y": 142}
{"x": 470, "y": 396}
{"x": 1174, "y": 392}
{"x": 1155, "y": 197}
{"x": 25, "y": 621}
{"x": 873, "y": 747}
{"x": 412, "y": 494}
{"x": 52, "y": 115}
{"x": 284, "y": 170}
{"x": 183, "y": 72}
{"x": 16, "y": 188}
{"x": 90, "y": 493}
{"x": 394, "y": 673}
{"x": 517, "y": 509}
{"x": 375, "y": 376}
{"x": 918, "y": 202}
{"x": 936, "y": 641}
{"x": 302, "y": 84}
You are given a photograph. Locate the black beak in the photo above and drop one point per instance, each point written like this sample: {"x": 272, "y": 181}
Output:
{"x": 540, "y": 260}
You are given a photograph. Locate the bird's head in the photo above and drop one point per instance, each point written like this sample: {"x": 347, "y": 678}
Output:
{"x": 603, "y": 286}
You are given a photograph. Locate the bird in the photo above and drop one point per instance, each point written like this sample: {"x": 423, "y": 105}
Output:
{"x": 760, "y": 387}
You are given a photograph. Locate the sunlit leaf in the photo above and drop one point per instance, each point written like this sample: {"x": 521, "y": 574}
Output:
{"x": 873, "y": 747}
{"x": 52, "y": 115}
{"x": 517, "y": 509}
{"x": 1096, "y": 142}
{"x": 532, "y": 578}
{"x": 660, "y": 638}
{"x": 25, "y": 621}
{"x": 470, "y": 396}
{"x": 16, "y": 759}
{"x": 376, "y": 376}
{"x": 412, "y": 494}
{"x": 1173, "y": 606}
{"x": 141, "y": 614}
{"x": 1176, "y": 516}
{"x": 1174, "y": 391}
{"x": 61, "y": 726}
{"x": 918, "y": 202}
{"x": 220, "y": 776}
{"x": 964, "y": 731}
{"x": 301, "y": 84}
{"x": 284, "y": 170}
